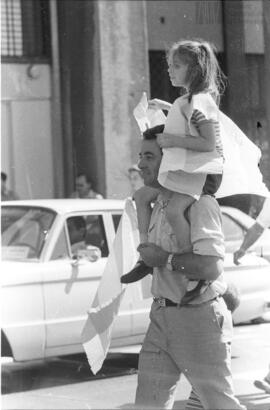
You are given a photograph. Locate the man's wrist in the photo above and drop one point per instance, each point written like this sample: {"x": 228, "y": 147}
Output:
{"x": 172, "y": 265}
{"x": 175, "y": 264}
{"x": 242, "y": 250}
{"x": 169, "y": 265}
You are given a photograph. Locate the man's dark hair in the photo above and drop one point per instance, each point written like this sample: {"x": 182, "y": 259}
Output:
{"x": 151, "y": 133}
{"x": 3, "y": 176}
{"x": 83, "y": 174}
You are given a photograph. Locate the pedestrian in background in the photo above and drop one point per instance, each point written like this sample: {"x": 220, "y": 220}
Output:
{"x": 191, "y": 138}
{"x": 7, "y": 194}
{"x": 84, "y": 188}
{"x": 254, "y": 232}
{"x": 135, "y": 178}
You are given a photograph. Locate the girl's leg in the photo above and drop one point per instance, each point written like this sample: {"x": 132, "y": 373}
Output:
{"x": 143, "y": 199}
{"x": 176, "y": 215}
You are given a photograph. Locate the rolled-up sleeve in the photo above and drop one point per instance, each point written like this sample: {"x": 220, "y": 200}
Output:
{"x": 206, "y": 227}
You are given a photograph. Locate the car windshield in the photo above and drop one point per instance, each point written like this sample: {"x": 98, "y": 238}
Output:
{"x": 24, "y": 230}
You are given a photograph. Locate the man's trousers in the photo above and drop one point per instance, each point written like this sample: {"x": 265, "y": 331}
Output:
{"x": 193, "y": 340}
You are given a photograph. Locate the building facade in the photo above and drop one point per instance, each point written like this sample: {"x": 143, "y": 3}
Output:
{"x": 73, "y": 70}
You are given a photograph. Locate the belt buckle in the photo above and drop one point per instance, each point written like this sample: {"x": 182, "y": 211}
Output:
{"x": 161, "y": 302}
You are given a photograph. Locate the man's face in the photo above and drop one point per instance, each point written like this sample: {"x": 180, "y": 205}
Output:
{"x": 150, "y": 158}
{"x": 82, "y": 186}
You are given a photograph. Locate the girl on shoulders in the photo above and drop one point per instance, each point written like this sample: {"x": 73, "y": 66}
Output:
{"x": 192, "y": 161}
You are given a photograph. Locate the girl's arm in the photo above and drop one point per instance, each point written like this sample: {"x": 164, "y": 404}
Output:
{"x": 204, "y": 142}
{"x": 157, "y": 104}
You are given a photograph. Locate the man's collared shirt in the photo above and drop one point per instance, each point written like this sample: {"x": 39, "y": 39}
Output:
{"x": 206, "y": 238}
{"x": 90, "y": 195}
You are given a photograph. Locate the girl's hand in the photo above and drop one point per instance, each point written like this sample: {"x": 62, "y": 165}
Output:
{"x": 167, "y": 140}
{"x": 157, "y": 104}
{"x": 238, "y": 255}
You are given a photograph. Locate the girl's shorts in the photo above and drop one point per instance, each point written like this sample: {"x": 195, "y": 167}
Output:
{"x": 212, "y": 183}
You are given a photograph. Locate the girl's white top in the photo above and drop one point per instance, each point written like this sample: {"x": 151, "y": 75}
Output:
{"x": 183, "y": 170}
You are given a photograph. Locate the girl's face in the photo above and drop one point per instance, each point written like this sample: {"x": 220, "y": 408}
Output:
{"x": 177, "y": 70}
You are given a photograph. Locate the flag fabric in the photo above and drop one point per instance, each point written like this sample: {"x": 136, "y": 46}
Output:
{"x": 96, "y": 334}
{"x": 241, "y": 173}
{"x": 145, "y": 117}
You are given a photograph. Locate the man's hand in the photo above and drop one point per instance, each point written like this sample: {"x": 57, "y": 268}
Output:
{"x": 152, "y": 254}
{"x": 238, "y": 255}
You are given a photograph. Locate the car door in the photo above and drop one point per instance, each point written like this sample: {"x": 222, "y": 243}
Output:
{"x": 70, "y": 285}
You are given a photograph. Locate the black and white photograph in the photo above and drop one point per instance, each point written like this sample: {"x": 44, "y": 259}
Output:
{"x": 135, "y": 204}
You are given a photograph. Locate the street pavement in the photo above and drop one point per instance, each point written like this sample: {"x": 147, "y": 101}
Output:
{"x": 68, "y": 383}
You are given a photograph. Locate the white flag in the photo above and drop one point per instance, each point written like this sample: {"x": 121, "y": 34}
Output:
{"x": 96, "y": 335}
{"x": 146, "y": 117}
{"x": 241, "y": 173}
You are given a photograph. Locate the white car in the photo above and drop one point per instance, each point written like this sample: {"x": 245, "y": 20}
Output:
{"x": 49, "y": 279}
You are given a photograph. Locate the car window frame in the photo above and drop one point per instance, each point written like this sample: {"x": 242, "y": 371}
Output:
{"x": 116, "y": 213}
{"x": 62, "y": 223}
{"x": 46, "y": 240}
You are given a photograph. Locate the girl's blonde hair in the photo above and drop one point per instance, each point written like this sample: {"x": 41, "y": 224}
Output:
{"x": 204, "y": 72}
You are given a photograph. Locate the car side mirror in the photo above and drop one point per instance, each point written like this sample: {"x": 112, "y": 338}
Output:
{"x": 91, "y": 253}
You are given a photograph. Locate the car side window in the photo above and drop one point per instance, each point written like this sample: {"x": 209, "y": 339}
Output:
{"x": 232, "y": 231}
{"x": 82, "y": 230}
{"x": 95, "y": 233}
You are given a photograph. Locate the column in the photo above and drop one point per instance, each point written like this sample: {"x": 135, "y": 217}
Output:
{"x": 124, "y": 76}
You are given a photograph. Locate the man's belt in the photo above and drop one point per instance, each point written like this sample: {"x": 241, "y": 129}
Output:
{"x": 163, "y": 302}
{"x": 187, "y": 298}
{"x": 166, "y": 302}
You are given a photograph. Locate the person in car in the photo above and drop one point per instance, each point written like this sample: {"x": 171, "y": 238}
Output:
{"x": 77, "y": 233}
{"x": 194, "y": 338}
